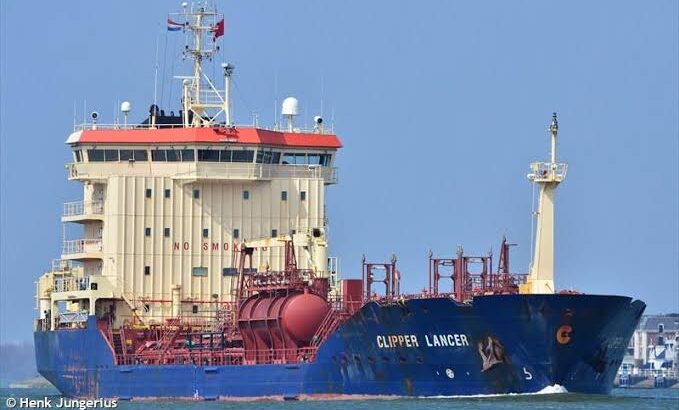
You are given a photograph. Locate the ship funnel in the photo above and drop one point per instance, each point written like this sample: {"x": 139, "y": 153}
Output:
{"x": 290, "y": 109}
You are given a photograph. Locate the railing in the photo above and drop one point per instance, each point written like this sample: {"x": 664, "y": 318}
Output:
{"x": 207, "y": 170}
{"x": 73, "y": 317}
{"x": 668, "y": 373}
{"x": 71, "y": 284}
{"x": 547, "y": 171}
{"x": 202, "y": 170}
{"x": 81, "y": 246}
{"x": 42, "y": 325}
{"x": 64, "y": 265}
{"x": 326, "y": 129}
{"x": 225, "y": 357}
{"x": 78, "y": 208}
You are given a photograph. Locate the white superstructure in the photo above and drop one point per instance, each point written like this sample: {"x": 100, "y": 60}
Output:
{"x": 167, "y": 205}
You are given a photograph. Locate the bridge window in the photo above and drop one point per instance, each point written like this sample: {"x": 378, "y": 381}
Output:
{"x": 126, "y": 155}
{"x": 147, "y": 231}
{"x": 78, "y": 155}
{"x": 173, "y": 155}
{"x": 294, "y": 159}
{"x": 225, "y": 155}
{"x": 133, "y": 155}
{"x": 242, "y": 156}
{"x": 170, "y": 155}
{"x": 275, "y": 157}
{"x": 158, "y": 155}
{"x": 196, "y": 193}
{"x": 261, "y": 153}
{"x": 208, "y": 155}
{"x": 274, "y": 233}
{"x": 147, "y": 270}
{"x": 167, "y": 193}
{"x": 268, "y": 156}
{"x": 111, "y": 155}
{"x": 95, "y": 155}
{"x": 166, "y": 232}
{"x": 314, "y": 159}
{"x": 206, "y": 233}
{"x": 236, "y": 233}
{"x": 141, "y": 155}
{"x": 199, "y": 271}
{"x": 284, "y": 195}
{"x": 661, "y": 328}
{"x": 302, "y": 196}
{"x": 188, "y": 155}
{"x": 148, "y": 192}
{"x": 246, "y": 195}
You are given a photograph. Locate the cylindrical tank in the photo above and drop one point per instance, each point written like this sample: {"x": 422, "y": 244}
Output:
{"x": 277, "y": 321}
{"x": 301, "y": 316}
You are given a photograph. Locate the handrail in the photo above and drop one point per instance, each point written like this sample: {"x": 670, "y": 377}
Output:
{"x": 64, "y": 265}
{"x": 227, "y": 357}
{"x": 85, "y": 126}
{"x": 202, "y": 170}
{"x": 668, "y": 373}
{"x": 547, "y": 171}
{"x": 77, "y": 208}
{"x": 71, "y": 284}
{"x": 76, "y": 246}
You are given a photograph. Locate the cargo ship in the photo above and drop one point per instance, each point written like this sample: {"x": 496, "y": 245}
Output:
{"x": 203, "y": 273}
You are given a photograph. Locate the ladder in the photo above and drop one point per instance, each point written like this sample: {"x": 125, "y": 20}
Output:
{"x": 331, "y": 322}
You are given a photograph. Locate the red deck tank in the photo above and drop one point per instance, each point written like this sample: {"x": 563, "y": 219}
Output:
{"x": 279, "y": 324}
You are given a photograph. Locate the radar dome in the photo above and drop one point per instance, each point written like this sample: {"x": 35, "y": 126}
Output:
{"x": 125, "y": 106}
{"x": 290, "y": 106}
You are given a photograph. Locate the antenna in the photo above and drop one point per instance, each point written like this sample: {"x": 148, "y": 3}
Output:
{"x": 290, "y": 109}
{"x": 199, "y": 94}
{"x": 332, "y": 119}
{"x": 275, "y": 99}
{"x": 228, "y": 70}
{"x": 155, "y": 72}
{"x": 322, "y": 92}
{"x": 125, "y": 107}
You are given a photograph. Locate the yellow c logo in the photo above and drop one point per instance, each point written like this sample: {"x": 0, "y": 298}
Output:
{"x": 563, "y": 334}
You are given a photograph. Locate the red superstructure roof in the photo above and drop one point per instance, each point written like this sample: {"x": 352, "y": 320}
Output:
{"x": 206, "y": 135}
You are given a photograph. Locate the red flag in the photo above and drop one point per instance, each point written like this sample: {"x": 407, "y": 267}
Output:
{"x": 218, "y": 30}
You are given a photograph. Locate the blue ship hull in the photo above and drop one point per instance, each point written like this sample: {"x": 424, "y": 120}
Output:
{"x": 418, "y": 347}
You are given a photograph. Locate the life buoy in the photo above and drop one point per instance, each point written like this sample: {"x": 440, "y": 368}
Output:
{"x": 563, "y": 334}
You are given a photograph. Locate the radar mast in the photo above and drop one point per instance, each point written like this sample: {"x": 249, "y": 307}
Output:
{"x": 202, "y": 102}
{"x": 548, "y": 176}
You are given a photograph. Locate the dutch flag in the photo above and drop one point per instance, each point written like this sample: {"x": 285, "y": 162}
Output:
{"x": 173, "y": 25}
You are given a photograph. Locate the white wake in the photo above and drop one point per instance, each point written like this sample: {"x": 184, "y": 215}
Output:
{"x": 553, "y": 389}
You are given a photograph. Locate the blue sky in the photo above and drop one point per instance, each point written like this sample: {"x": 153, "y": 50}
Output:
{"x": 441, "y": 106}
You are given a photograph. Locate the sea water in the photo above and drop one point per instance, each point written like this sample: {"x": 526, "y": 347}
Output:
{"x": 553, "y": 397}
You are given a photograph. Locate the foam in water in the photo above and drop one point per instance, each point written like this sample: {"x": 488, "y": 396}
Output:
{"x": 552, "y": 389}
